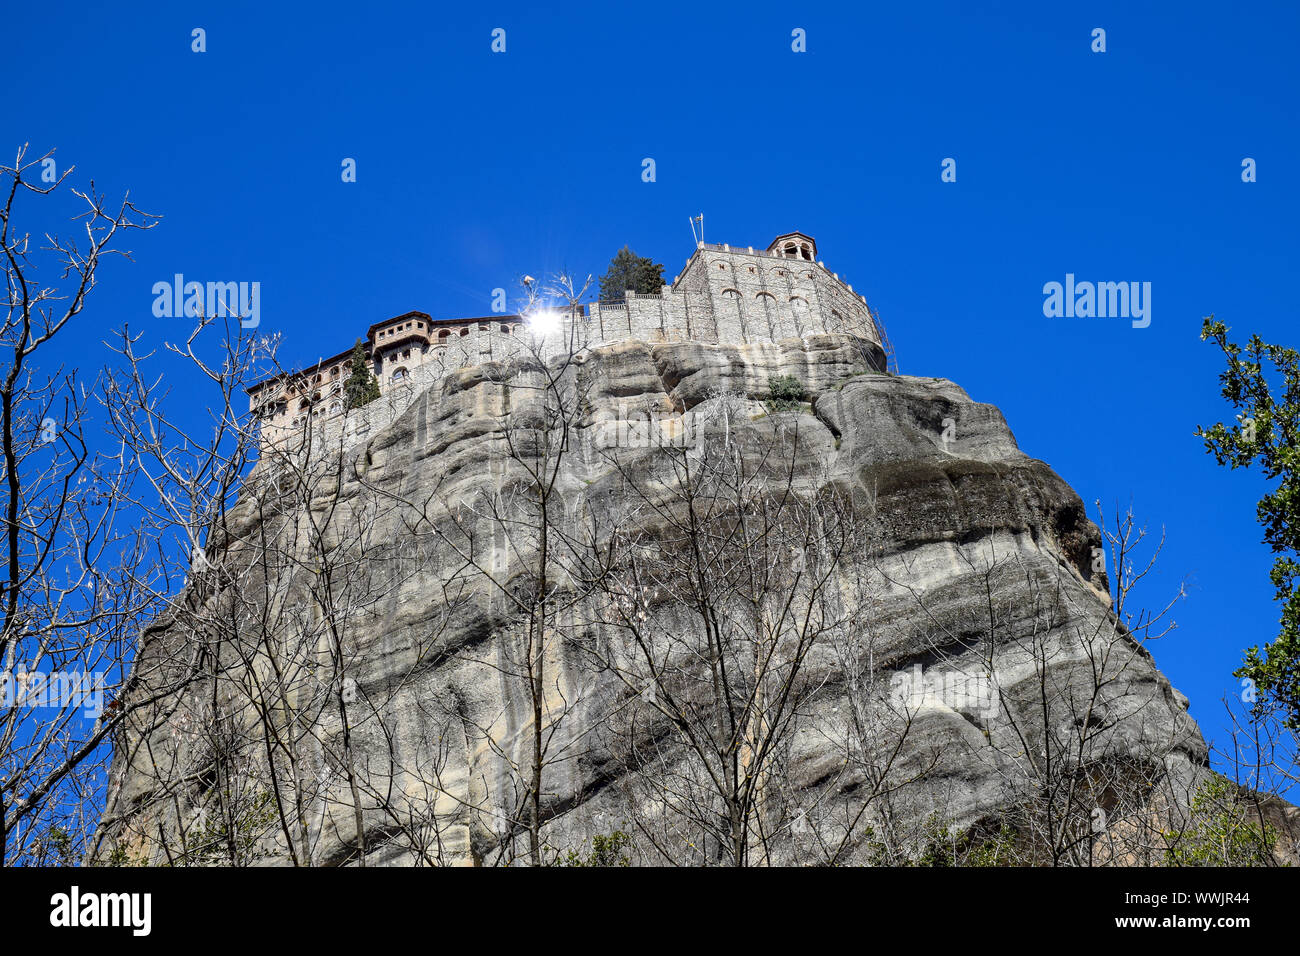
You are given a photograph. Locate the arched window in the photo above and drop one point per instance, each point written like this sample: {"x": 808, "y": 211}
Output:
{"x": 807, "y": 251}
{"x": 791, "y": 251}
{"x": 731, "y": 293}
{"x": 464, "y": 332}
{"x": 399, "y": 374}
{"x": 505, "y": 328}
{"x": 445, "y": 333}
{"x": 336, "y": 407}
{"x": 765, "y": 295}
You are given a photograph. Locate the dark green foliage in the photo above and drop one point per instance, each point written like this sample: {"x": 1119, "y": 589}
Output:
{"x": 605, "y": 851}
{"x": 1266, "y": 433}
{"x": 361, "y": 387}
{"x": 784, "y": 392}
{"x": 626, "y": 271}
{"x": 119, "y": 856}
{"x": 62, "y": 850}
{"x": 943, "y": 846}
{"x": 212, "y": 843}
{"x": 1224, "y": 831}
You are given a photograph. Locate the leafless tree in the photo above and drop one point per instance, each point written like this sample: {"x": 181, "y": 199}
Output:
{"x": 74, "y": 559}
{"x": 1076, "y": 735}
{"x": 281, "y": 739}
{"x": 511, "y": 541}
{"x": 730, "y": 579}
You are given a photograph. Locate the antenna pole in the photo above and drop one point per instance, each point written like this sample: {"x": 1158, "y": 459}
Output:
{"x": 700, "y": 238}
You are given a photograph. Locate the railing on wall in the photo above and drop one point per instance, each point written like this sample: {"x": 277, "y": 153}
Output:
{"x": 891, "y": 359}
{"x": 622, "y": 303}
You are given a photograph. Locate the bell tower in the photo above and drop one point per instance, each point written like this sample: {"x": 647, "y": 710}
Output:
{"x": 794, "y": 245}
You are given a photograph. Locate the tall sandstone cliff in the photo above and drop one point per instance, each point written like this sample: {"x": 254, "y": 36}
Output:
{"x": 357, "y": 655}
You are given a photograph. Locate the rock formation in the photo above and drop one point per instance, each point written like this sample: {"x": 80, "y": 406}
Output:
{"x": 358, "y": 654}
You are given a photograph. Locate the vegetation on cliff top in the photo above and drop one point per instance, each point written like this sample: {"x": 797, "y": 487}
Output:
{"x": 628, "y": 271}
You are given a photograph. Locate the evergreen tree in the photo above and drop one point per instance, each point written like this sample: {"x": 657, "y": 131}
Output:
{"x": 361, "y": 387}
{"x": 626, "y": 271}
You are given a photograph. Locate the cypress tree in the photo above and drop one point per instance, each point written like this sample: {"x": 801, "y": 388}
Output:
{"x": 626, "y": 271}
{"x": 361, "y": 387}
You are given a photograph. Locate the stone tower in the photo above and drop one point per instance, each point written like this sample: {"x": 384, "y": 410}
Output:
{"x": 724, "y": 295}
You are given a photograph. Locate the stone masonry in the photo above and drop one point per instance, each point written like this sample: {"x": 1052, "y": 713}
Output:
{"x": 725, "y": 294}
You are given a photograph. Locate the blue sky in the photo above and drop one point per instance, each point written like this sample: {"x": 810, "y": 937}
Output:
{"x": 474, "y": 168}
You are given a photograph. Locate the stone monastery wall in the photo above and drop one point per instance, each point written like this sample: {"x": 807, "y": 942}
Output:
{"x": 723, "y": 295}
